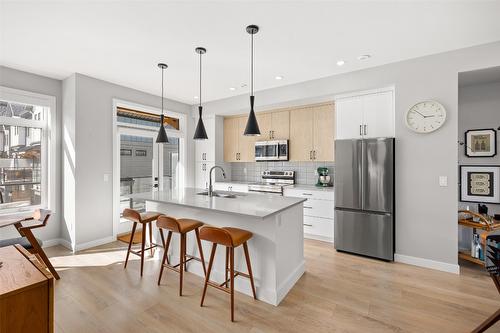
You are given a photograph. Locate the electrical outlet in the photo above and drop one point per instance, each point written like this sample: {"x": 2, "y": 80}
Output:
{"x": 443, "y": 181}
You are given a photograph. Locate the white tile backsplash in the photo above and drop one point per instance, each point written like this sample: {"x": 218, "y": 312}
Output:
{"x": 305, "y": 172}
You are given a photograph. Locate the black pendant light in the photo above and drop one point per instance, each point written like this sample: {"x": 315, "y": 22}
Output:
{"x": 252, "y": 127}
{"x": 200, "y": 133}
{"x": 162, "y": 134}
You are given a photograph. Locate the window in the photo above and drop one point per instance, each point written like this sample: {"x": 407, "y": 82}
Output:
{"x": 125, "y": 152}
{"x": 141, "y": 152}
{"x": 23, "y": 154}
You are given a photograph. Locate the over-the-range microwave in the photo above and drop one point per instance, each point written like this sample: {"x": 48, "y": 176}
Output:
{"x": 276, "y": 150}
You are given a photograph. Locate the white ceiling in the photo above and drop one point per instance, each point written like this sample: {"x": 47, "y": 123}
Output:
{"x": 122, "y": 41}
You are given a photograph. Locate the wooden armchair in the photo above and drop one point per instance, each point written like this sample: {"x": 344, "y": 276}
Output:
{"x": 28, "y": 240}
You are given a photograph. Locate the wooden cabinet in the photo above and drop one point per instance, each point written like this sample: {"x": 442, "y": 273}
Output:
{"x": 309, "y": 129}
{"x": 367, "y": 115}
{"x": 238, "y": 147}
{"x": 301, "y": 134}
{"x": 231, "y": 133}
{"x": 274, "y": 125}
{"x": 312, "y": 132}
{"x": 26, "y": 293}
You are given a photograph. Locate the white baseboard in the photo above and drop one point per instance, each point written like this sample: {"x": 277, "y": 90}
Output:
{"x": 318, "y": 237}
{"x": 94, "y": 243}
{"x": 51, "y": 242}
{"x": 67, "y": 244}
{"x": 427, "y": 263}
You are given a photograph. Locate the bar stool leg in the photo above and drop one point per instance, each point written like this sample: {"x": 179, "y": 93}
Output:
{"x": 249, "y": 267}
{"x": 226, "y": 268}
{"x": 200, "y": 249}
{"x": 169, "y": 238}
{"x": 231, "y": 267}
{"x": 143, "y": 243}
{"x": 162, "y": 238}
{"x": 182, "y": 262}
{"x": 152, "y": 250}
{"x": 130, "y": 244}
{"x": 207, "y": 277}
{"x": 165, "y": 254}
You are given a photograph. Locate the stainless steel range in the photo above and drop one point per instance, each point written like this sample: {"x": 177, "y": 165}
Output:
{"x": 273, "y": 182}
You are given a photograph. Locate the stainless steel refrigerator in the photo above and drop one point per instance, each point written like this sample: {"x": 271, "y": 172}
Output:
{"x": 364, "y": 197}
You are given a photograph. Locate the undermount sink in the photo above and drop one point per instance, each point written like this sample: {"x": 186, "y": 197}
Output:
{"x": 219, "y": 194}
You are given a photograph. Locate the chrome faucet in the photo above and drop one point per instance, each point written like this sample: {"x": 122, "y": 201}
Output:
{"x": 210, "y": 187}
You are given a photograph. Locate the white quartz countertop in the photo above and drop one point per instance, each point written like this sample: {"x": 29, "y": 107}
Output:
{"x": 248, "y": 204}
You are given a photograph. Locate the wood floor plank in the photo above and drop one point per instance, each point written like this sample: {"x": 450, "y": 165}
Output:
{"x": 338, "y": 293}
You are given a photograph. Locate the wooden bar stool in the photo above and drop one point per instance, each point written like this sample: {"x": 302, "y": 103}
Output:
{"x": 145, "y": 219}
{"x": 182, "y": 227}
{"x": 230, "y": 238}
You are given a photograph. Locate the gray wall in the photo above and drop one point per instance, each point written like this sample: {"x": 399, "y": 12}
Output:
{"x": 94, "y": 151}
{"x": 426, "y": 213}
{"x": 43, "y": 85}
{"x": 479, "y": 107}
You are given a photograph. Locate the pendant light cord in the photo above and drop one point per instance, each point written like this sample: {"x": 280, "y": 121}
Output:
{"x": 162, "y": 70}
{"x": 251, "y": 67}
{"x": 200, "y": 79}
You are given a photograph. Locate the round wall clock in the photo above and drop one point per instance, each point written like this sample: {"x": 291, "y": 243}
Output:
{"x": 425, "y": 117}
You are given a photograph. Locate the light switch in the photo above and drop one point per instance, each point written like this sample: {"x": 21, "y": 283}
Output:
{"x": 443, "y": 181}
{"x": 106, "y": 177}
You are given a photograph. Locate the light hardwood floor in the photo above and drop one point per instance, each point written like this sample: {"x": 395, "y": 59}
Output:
{"x": 338, "y": 293}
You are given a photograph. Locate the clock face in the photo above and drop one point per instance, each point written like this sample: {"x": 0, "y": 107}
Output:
{"x": 426, "y": 117}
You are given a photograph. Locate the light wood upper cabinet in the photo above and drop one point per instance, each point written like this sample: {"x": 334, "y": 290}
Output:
{"x": 280, "y": 129}
{"x": 246, "y": 144}
{"x": 265, "y": 125}
{"x": 301, "y": 134}
{"x": 231, "y": 134}
{"x": 312, "y": 132}
{"x": 323, "y": 132}
{"x": 309, "y": 129}
{"x": 274, "y": 125}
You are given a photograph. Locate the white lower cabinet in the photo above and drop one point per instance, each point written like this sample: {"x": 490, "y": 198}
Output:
{"x": 319, "y": 212}
{"x": 202, "y": 174}
{"x": 231, "y": 187}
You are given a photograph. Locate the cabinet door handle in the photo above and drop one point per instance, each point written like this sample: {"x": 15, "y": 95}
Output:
{"x": 272, "y": 134}
{"x": 308, "y": 207}
{"x": 314, "y": 154}
{"x": 360, "y": 129}
{"x": 310, "y": 154}
{"x": 308, "y": 225}
{"x": 306, "y": 193}
{"x": 365, "y": 131}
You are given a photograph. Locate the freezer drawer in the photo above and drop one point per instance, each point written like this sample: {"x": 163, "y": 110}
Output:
{"x": 364, "y": 233}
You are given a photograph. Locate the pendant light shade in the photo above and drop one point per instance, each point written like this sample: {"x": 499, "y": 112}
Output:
{"x": 252, "y": 128}
{"x": 162, "y": 134}
{"x": 200, "y": 133}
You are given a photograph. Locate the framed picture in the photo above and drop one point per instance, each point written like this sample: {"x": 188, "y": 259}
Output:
{"x": 481, "y": 142}
{"x": 480, "y": 183}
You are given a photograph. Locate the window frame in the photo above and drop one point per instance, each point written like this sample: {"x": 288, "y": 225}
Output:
{"x": 48, "y": 143}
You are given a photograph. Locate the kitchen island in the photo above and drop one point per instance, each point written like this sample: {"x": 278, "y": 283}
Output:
{"x": 276, "y": 248}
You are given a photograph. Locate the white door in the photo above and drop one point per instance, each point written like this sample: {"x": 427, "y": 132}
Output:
{"x": 349, "y": 117}
{"x": 378, "y": 115}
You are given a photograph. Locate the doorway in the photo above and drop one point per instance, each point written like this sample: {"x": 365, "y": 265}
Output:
{"x": 140, "y": 164}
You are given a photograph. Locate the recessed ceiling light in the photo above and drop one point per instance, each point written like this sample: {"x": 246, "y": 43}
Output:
{"x": 364, "y": 57}
{"x": 196, "y": 97}
{"x": 340, "y": 63}
{"x": 232, "y": 88}
{"x": 278, "y": 77}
